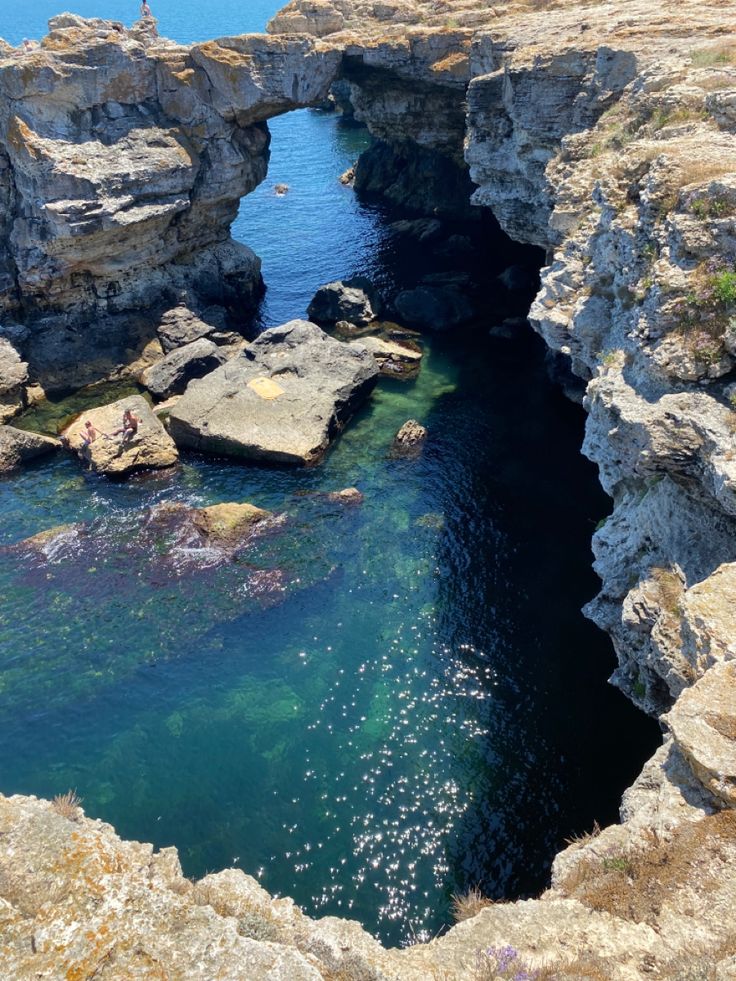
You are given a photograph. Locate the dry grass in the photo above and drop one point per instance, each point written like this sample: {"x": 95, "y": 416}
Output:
{"x": 468, "y": 904}
{"x": 585, "y": 836}
{"x": 67, "y": 805}
{"x": 634, "y": 885}
{"x": 705, "y": 57}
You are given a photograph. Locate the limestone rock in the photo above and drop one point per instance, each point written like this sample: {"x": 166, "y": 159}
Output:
{"x": 150, "y": 448}
{"x": 171, "y": 375}
{"x": 348, "y": 495}
{"x": 703, "y": 724}
{"x": 284, "y": 399}
{"x": 409, "y": 440}
{"x": 13, "y": 377}
{"x": 180, "y": 325}
{"x": 228, "y": 523}
{"x": 394, "y": 359}
{"x": 434, "y": 307}
{"x": 354, "y": 300}
{"x": 17, "y": 446}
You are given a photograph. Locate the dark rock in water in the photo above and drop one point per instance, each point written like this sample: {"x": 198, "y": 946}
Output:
{"x": 172, "y": 374}
{"x": 422, "y": 229}
{"x": 458, "y": 279}
{"x": 180, "y": 326}
{"x": 456, "y": 245}
{"x": 18, "y": 446}
{"x": 355, "y": 300}
{"x": 13, "y": 377}
{"x": 409, "y": 440}
{"x": 434, "y": 307}
{"x": 223, "y": 525}
{"x": 284, "y": 399}
{"x": 518, "y": 278}
{"x": 115, "y": 455}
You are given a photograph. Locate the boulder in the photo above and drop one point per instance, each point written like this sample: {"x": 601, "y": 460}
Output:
{"x": 151, "y": 448}
{"x": 455, "y": 245}
{"x": 13, "y": 376}
{"x": 171, "y": 375}
{"x": 225, "y": 526}
{"x": 409, "y": 440}
{"x": 434, "y": 307}
{"x": 180, "y": 326}
{"x": 355, "y": 300}
{"x": 422, "y": 229}
{"x": 393, "y": 359}
{"x": 18, "y": 446}
{"x": 703, "y": 723}
{"x": 283, "y": 399}
{"x": 348, "y": 495}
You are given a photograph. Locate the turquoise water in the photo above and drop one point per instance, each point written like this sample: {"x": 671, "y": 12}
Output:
{"x": 370, "y": 707}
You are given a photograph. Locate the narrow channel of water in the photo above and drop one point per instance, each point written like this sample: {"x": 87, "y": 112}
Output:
{"x": 379, "y": 705}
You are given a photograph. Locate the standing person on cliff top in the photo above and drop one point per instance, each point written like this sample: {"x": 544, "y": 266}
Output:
{"x": 145, "y": 9}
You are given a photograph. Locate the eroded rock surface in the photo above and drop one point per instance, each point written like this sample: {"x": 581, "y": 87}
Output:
{"x": 17, "y": 446}
{"x": 112, "y": 453}
{"x": 171, "y": 375}
{"x": 353, "y": 300}
{"x": 283, "y": 399}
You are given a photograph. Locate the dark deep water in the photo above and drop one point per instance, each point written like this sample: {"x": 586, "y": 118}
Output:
{"x": 379, "y": 705}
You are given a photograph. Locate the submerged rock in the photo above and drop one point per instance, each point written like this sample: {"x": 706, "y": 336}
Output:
{"x": 283, "y": 400}
{"x": 393, "y": 359}
{"x": 150, "y": 447}
{"x": 409, "y": 440}
{"x": 18, "y": 446}
{"x": 434, "y": 307}
{"x": 348, "y": 495}
{"x": 355, "y": 300}
{"x": 171, "y": 375}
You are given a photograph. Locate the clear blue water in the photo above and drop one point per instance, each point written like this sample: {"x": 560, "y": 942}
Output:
{"x": 373, "y": 706}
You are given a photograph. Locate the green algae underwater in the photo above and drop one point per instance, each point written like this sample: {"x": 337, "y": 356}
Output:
{"x": 371, "y": 706}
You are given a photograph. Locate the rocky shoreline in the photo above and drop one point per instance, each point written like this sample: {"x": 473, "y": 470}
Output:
{"x": 605, "y": 137}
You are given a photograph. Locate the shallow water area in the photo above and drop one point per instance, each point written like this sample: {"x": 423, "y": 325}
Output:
{"x": 368, "y": 706}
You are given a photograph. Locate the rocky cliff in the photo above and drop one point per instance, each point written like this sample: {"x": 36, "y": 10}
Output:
{"x": 602, "y": 132}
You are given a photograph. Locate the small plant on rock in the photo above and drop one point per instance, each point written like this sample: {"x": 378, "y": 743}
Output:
{"x": 67, "y": 805}
{"x": 468, "y": 904}
{"x": 495, "y": 963}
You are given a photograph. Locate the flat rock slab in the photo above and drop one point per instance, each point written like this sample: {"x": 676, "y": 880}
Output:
{"x": 393, "y": 358}
{"x": 18, "y": 446}
{"x": 284, "y": 399}
{"x": 151, "y": 448}
{"x": 703, "y": 723}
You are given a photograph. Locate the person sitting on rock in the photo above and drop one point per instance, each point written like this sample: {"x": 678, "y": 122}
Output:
{"x": 129, "y": 427}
